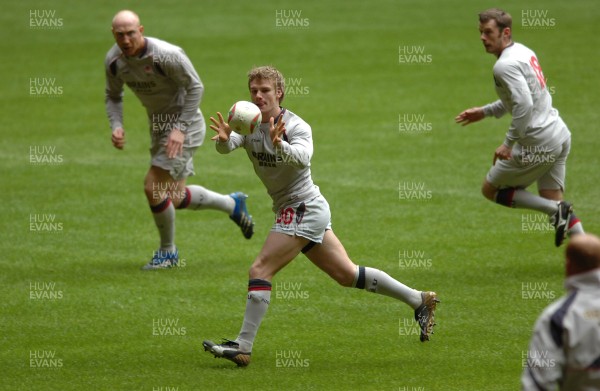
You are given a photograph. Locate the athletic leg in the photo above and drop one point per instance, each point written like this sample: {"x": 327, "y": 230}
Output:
{"x": 514, "y": 197}
{"x": 278, "y": 250}
{"x": 234, "y": 204}
{"x": 331, "y": 257}
{"x": 198, "y": 197}
{"x": 164, "y": 193}
{"x": 551, "y": 185}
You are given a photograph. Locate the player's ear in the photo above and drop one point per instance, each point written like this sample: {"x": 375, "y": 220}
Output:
{"x": 141, "y": 29}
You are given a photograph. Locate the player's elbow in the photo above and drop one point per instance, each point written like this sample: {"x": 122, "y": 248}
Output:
{"x": 222, "y": 149}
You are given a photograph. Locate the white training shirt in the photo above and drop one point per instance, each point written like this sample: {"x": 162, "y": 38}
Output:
{"x": 285, "y": 171}
{"x": 166, "y": 83}
{"x": 565, "y": 347}
{"x": 522, "y": 89}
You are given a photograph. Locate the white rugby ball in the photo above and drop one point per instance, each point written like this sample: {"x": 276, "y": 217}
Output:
{"x": 244, "y": 117}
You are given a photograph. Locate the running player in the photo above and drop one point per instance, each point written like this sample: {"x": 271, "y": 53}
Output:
{"x": 164, "y": 80}
{"x": 280, "y": 152}
{"x": 538, "y": 141}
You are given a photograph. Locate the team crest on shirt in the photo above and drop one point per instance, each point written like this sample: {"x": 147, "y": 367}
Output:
{"x": 148, "y": 69}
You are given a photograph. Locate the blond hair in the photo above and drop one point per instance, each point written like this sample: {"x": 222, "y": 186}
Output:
{"x": 271, "y": 73}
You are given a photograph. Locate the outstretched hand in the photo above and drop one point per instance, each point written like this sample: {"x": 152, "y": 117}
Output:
{"x": 276, "y": 130}
{"x": 471, "y": 115}
{"x": 221, "y": 127}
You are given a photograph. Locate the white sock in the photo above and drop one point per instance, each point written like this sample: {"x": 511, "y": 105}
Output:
{"x": 259, "y": 297}
{"x": 519, "y": 198}
{"x": 202, "y": 198}
{"x": 164, "y": 218}
{"x": 575, "y": 226}
{"x": 377, "y": 281}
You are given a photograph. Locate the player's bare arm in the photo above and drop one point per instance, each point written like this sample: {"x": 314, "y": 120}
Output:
{"x": 118, "y": 138}
{"x": 221, "y": 127}
{"x": 276, "y": 130}
{"x": 469, "y": 116}
{"x": 175, "y": 143}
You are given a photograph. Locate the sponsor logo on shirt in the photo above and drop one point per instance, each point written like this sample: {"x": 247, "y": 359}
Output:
{"x": 266, "y": 159}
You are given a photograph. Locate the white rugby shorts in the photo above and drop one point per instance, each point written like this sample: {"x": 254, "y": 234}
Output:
{"x": 308, "y": 219}
{"x": 531, "y": 164}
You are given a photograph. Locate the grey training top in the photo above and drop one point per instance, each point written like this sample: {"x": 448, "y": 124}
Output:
{"x": 166, "y": 83}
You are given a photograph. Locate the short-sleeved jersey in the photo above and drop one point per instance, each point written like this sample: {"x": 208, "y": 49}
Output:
{"x": 522, "y": 89}
{"x": 285, "y": 170}
{"x": 166, "y": 83}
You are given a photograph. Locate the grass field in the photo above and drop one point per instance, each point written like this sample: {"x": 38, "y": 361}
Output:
{"x": 78, "y": 313}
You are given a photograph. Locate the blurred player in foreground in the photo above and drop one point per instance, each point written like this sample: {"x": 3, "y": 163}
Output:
{"x": 280, "y": 152}
{"x": 537, "y": 142}
{"x": 167, "y": 85}
{"x": 565, "y": 347}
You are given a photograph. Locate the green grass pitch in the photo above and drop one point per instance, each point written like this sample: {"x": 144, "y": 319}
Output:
{"x": 76, "y": 311}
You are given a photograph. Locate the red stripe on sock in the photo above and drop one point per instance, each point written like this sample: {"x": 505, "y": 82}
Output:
{"x": 505, "y": 197}
{"x": 573, "y": 221}
{"x": 161, "y": 207}
{"x": 186, "y": 201}
{"x": 259, "y": 288}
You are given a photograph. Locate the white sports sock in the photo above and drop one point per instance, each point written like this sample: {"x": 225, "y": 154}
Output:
{"x": 576, "y": 229}
{"x": 575, "y": 226}
{"x": 202, "y": 198}
{"x": 377, "y": 281}
{"x": 164, "y": 218}
{"x": 525, "y": 200}
{"x": 259, "y": 297}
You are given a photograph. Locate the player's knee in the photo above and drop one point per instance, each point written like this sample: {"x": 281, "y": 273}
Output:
{"x": 149, "y": 191}
{"x": 488, "y": 191}
{"x": 258, "y": 270}
{"x": 343, "y": 277}
{"x": 551, "y": 194}
{"x": 346, "y": 281}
